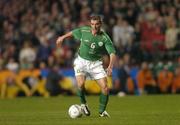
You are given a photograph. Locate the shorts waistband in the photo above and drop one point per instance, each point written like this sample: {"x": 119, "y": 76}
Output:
{"x": 86, "y": 59}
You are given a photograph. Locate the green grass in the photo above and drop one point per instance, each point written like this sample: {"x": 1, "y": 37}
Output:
{"x": 129, "y": 110}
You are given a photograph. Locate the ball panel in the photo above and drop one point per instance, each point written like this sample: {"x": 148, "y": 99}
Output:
{"x": 75, "y": 111}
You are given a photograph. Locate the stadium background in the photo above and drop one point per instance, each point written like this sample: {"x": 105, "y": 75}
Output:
{"x": 146, "y": 34}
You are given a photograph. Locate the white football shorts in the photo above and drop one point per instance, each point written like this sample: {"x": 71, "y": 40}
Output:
{"x": 92, "y": 69}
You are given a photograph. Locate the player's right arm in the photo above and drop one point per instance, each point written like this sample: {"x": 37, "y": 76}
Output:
{"x": 60, "y": 39}
{"x": 76, "y": 33}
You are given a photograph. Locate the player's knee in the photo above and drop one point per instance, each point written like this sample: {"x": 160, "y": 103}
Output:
{"x": 105, "y": 89}
{"x": 80, "y": 81}
{"x": 80, "y": 85}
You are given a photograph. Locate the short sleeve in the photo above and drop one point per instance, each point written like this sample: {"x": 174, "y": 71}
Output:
{"x": 77, "y": 33}
{"x": 109, "y": 45}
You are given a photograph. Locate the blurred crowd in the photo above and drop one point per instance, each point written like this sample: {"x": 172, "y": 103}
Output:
{"x": 146, "y": 34}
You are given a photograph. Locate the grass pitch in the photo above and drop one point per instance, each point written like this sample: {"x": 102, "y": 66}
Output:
{"x": 129, "y": 110}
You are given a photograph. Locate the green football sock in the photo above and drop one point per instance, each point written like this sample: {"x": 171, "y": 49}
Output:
{"x": 81, "y": 94}
{"x": 103, "y": 102}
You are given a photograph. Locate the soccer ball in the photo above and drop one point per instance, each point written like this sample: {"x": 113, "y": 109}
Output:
{"x": 75, "y": 111}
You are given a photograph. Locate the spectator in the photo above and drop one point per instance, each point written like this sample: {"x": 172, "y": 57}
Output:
{"x": 172, "y": 31}
{"x": 122, "y": 33}
{"x": 176, "y": 81}
{"x": 165, "y": 79}
{"x": 12, "y": 65}
{"x": 146, "y": 82}
{"x": 53, "y": 81}
{"x": 43, "y": 51}
{"x": 27, "y": 55}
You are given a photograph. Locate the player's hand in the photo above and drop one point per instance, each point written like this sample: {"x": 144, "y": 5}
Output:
{"x": 59, "y": 41}
{"x": 109, "y": 71}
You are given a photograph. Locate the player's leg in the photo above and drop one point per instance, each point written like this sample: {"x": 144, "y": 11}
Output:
{"x": 81, "y": 93}
{"x": 98, "y": 73}
{"x": 104, "y": 97}
{"x": 80, "y": 78}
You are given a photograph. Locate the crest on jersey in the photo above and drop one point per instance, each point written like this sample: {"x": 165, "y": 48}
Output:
{"x": 100, "y": 43}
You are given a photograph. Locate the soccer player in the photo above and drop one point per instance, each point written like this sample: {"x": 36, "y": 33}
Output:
{"x": 89, "y": 61}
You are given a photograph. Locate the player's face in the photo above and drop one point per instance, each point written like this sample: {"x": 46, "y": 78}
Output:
{"x": 95, "y": 25}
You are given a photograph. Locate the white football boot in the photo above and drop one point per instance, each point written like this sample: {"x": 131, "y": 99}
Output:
{"x": 104, "y": 114}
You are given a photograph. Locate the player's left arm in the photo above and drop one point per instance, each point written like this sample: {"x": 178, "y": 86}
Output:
{"x": 111, "y": 51}
{"x": 111, "y": 63}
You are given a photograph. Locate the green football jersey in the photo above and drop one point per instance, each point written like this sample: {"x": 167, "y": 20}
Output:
{"x": 92, "y": 47}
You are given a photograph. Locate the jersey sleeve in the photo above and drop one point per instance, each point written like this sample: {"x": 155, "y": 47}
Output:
{"x": 77, "y": 34}
{"x": 109, "y": 45}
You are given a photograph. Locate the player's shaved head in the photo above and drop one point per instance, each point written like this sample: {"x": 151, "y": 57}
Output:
{"x": 96, "y": 17}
